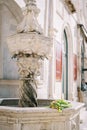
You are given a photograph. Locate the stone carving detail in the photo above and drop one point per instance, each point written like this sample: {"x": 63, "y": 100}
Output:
{"x": 28, "y": 95}
{"x": 73, "y": 125}
{"x": 30, "y": 23}
{"x": 29, "y": 46}
{"x": 28, "y": 65}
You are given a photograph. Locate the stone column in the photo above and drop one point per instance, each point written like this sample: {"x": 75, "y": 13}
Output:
{"x": 1, "y": 59}
{"x": 51, "y": 61}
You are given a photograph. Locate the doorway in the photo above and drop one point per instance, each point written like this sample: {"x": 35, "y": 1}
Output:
{"x": 82, "y": 59}
{"x": 65, "y": 66}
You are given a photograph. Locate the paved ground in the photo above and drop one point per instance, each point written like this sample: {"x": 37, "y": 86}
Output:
{"x": 83, "y": 119}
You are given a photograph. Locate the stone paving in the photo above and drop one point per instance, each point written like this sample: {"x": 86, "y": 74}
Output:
{"x": 83, "y": 119}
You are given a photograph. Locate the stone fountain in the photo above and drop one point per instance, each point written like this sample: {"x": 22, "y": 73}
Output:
{"x": 29, "y": 46}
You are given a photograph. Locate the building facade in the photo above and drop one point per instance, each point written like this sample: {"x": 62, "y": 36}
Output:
{"x": 65, "y": 22}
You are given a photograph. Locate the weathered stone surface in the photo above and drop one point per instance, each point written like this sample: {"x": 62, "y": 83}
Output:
{"x": 40, "y": 118}
{"x": 29, "y": 50}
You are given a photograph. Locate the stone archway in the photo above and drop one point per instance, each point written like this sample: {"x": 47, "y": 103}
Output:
{"x": 69, "y": 60}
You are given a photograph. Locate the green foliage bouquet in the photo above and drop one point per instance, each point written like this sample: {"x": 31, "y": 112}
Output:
{"x": 60, "y": 104}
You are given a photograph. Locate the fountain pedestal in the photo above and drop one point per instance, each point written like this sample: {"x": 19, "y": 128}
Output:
{"x": 29, "y": 46}
{"x": 29, "y": 49}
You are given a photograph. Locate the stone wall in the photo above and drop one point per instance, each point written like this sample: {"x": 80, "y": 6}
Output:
{"x": 9, "y": 88}
{"x": 10, "y": 16}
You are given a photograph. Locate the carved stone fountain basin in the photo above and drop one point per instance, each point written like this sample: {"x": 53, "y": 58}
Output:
{"x": 40, "y": 118}
{"x": 29, "y": 43}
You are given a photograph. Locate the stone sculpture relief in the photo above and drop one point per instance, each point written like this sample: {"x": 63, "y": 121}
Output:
{"x": 29, "y": 46}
